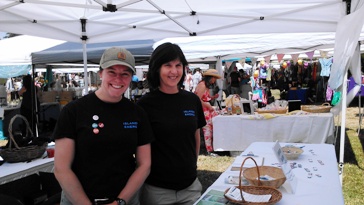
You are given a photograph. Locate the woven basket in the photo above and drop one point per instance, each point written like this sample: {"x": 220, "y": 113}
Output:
{"x": 257, "y": 190}
{"x": 21, "y": 154}
{"x": 280, "y": 111}
{"x": 325, "y": 107}
{"x": 292, "y": 153}
{"x": 251, "y": 176}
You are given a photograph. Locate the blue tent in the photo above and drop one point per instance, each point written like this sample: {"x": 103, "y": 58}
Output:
{"x": 70, "y": 52}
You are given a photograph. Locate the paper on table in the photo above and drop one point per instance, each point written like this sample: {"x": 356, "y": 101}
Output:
{"x": 234, "y": 193}
{"x": 234, "y": 179}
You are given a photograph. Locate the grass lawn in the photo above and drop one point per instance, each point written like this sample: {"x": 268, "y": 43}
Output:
{"x": 210, "y": 168}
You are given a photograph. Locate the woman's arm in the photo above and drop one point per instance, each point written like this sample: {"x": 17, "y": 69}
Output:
{"x": 22, "y": 90}
{"x": 200, "y": 90}
{"x": 198, "y": 142}
{"x": 71, "y": 186}
{"x": 136, "y": 180}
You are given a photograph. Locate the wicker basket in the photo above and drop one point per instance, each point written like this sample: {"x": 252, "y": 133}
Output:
{"x": 280, "y": 111}
{"x": 325, "y": 107}
{"x": 257, "y": 190}
{"x": 21, "y": 154}
{"x": 251, "y": 176}
{"x": 292, "y": 153}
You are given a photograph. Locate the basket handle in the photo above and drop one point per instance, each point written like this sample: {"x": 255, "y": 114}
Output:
{"x": 241, "y": 171}
{"x": 326, "y": 104}
{"x": 10, "y": 129}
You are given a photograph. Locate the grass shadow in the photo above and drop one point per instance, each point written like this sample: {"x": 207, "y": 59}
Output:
{"x": 207, "y": 178}
{"x": 349, "y": 155}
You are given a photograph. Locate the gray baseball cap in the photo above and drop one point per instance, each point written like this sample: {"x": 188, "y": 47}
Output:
{"x": 117, "y": 56}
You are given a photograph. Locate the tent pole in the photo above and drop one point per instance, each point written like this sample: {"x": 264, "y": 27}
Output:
{"x": 34, "y": 102}
{"x": 360, "y": 115}
{"x": 342, "y": 130}
{"x": 84, "y": 39}
{"x": 220, "y": 81}
{"x": 85, "y": 66}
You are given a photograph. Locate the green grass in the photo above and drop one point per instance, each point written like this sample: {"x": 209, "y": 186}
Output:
{"x": 210, "y": 168}
{"x": 353, "y": 173}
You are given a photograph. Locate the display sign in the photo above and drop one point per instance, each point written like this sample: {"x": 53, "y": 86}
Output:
{"x": 291, "y": 181}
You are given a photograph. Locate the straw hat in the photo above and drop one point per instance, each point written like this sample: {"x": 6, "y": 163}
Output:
{"x": 213, "y": 73}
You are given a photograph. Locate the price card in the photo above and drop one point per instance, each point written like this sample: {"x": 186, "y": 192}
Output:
{"x": 291, "y": 180}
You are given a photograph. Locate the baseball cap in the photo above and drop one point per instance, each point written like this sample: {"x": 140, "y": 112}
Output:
{"x": 117, "y": 56}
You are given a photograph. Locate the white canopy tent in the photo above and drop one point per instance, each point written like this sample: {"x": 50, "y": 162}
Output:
{"x": 97, "y": 21}
{"x": 207, "y": 48}
{"x": 15, "y": 53}
{"x": 100, "y": 21}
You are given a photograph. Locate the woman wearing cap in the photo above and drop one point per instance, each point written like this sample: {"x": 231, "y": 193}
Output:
{"x": 203, "y": 92}
{"x": 102, "y": 152}
{"x": 176, "y": 117}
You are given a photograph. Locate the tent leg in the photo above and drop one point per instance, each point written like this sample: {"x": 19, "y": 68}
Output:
{"x": 34, "y": 100}
{"x": 360, "y": 115}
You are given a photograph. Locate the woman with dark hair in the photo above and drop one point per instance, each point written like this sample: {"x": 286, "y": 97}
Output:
{"x": 203, "y": 92}
{"x": 176, "y": 117}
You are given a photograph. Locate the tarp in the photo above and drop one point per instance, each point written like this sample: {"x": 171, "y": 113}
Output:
{"x": 71, "y": 52}
{"x": 15, "y": 59}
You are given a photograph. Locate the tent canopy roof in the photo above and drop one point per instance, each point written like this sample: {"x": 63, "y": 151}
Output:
{"x": 157, "y": 19}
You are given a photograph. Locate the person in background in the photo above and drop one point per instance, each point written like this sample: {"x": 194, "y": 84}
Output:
{"x": 176, "y": 117}
{"x": 196, "y": 78}
{"x": 188, "y": 81}
{"x": 103, "y": 140}
{"x": 234, "y": 80}
{"x": 203, "y": 92}
{"x": 28, "y": 107}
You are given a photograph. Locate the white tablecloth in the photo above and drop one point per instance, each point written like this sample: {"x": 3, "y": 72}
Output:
{"x": 13, "y": 171}
{"x": 237, "y": 132}
{"x": 325, "y": 189}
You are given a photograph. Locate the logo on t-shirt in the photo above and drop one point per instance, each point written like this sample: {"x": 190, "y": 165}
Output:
{"x": 190, "y": 113}
{"x": 130, "y": 125}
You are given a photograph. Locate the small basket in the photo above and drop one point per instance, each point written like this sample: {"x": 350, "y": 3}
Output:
{"x": 251, "y": 176}
{"x": 257, "y": 190}
{"x": 292, "y": 153}
{"x": 325, "y": 107}
{"x": 278, "y": 111}
{"x": 21, "y": 154}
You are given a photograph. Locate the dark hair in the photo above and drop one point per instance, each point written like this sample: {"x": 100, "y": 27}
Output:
{"x": 207, "y": 79}
{"x": 27, "y": 81}
{"x": 164, "y": 53}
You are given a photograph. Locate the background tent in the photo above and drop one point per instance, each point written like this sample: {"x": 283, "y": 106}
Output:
{"x": 71, "y": 52}
{"x": 15, "y": 59}
{"x": 207, "y": 48}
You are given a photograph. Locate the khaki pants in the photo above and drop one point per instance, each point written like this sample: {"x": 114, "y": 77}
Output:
{"x": 152, "y": 195}
{"x": 133, "y": 201}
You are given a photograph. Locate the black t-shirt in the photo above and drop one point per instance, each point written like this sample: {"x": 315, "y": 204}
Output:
{"x": 234, "y": 76}
{"x": 174, "y": 119}
{"x": 103, "y": 160}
